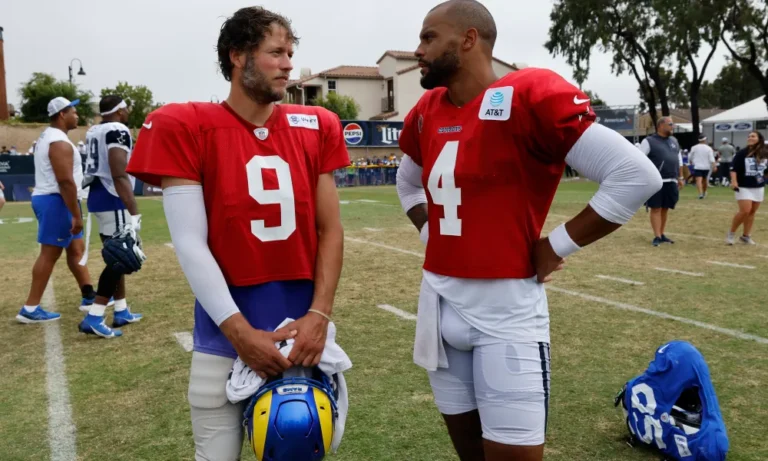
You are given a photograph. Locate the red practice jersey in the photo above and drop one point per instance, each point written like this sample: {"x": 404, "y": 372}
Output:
{"x": 491, "y": 169}
{"x": 259, "y": 183}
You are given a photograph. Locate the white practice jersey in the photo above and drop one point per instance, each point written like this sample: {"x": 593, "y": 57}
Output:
{"x": 99, "y": 140}
{"x": 45, "y": 179}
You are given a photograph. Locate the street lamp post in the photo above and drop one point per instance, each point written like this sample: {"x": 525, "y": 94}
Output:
{"x": 81, "y": 72}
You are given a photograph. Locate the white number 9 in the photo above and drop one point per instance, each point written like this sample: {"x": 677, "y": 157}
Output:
{"x": 283, "y": 196}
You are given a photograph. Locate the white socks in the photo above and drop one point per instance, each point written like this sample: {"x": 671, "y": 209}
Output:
{"x": 97, "y": 310}
{"x": 30, "y": 309}
{"x": 120, "y": 305}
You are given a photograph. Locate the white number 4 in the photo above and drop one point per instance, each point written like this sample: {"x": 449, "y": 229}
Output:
{"x": 283, "y": 196}
{"x": 447, "y": 194}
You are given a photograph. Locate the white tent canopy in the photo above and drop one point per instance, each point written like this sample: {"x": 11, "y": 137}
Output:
{"x": 749, "y": 112}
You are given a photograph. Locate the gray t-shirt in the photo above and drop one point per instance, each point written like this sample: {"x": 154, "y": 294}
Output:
{"x": 726, "y": 153}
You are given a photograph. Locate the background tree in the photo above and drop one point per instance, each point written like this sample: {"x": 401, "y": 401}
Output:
{"x": 595, "y": 99}
{"x": 139, "y": 98}
{"x": 693, "y": 28}
{"x": 733, "y": 86}
{"x": 38, "y": 91}
{"x": 746, "y": 36}
{"x": 343, "y": 106}
{"x": 627, "y": 29}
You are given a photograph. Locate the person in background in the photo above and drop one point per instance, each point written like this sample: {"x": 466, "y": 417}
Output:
{"x": 31, "y": 150}
{"x": 2, "y": 196}
{"x": 13, "y": 151}
{"x": 664, "y": 151}
{"x": 4, "y": 150}
{"x": 702, "y": 159}
{"x": 726, "y": 152}
{"x": 81, "y": 147}
{"x": 748, "y": 181}
{"x": 56, "y": 203}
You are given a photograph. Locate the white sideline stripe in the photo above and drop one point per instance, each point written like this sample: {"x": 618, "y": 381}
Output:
{"x": 616, "y": 279}
{"x": 371, "y": 229}
{"x": 624, "y": 306}
{"x": 398, "y": 312}
{"x": 675, "y": 271}
{"x": 721, "y": 263}
{"x": 399, "y": 250}
{"x": 184, "y": 338}
{"x": 368, "y": 201}
{"x": 61, "y": 428}
{"x": 170, "y": 245}
{"x": 630, "y": 307}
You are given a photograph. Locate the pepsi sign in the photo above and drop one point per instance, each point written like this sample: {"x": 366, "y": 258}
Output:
{"x": 353, "y": 133}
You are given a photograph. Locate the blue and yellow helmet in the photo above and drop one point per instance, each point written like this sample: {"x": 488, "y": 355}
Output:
{"x": 292, "y": 418}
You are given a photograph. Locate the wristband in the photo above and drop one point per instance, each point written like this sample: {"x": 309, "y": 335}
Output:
{"x": 562, "y": 243}
{"x": 320, "y": 313}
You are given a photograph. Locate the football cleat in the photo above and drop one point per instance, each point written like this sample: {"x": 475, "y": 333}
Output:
{"x": 124, "y": 317}
{"x": 39, "y": 315}
{"x": 94, "y": 325}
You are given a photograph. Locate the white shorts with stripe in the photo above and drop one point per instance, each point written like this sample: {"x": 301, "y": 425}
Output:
{"x": 110, "y": 222}
{"x": 506, "y": 381}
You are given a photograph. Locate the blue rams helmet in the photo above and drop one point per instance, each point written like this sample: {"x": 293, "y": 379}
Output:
{"x": 292, "y": 418}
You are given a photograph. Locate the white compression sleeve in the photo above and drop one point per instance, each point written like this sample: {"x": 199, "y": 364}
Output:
{"x": 187, "y": 221}
{"x": 626, "y": 176}
{"x": 409, "y": 187}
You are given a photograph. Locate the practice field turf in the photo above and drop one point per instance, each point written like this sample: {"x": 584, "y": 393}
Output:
{"x": 128, "y": 396}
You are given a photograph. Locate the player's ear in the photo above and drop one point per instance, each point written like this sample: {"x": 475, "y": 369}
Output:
{"x": 470, "y": 39}
{"x": 238, "y": 58}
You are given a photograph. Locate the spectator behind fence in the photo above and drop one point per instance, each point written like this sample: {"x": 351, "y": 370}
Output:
{"x": 13, "y": 151}
{"x": 2, "y": 195}
{"x": 748, "y": 181}
{"x": 726, "y": 152}
{"x": 4, "y": 150}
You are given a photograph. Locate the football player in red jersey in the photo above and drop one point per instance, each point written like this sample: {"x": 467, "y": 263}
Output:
{"x": 253, "y": 213}
{"x": 484, "y": 158}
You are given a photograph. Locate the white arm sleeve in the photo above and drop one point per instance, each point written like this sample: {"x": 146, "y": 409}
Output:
{"x": 645, "y": 147}
{"x": 187, "y": 221}
{"x": 409, "y": 187}
{"x": 627, "y": 178}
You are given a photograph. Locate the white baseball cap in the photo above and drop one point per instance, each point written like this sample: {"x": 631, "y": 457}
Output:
{"x": 725, "y": 139}
{"x": 59, "y": 104}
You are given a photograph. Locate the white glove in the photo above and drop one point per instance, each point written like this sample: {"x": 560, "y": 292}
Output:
{"x": 424, "y": 234}
{"x": 136, "y": 222}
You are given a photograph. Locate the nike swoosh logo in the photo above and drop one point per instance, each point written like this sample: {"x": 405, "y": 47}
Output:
{"x": 661, "y": 350}
{"x": 576, "y": 100}
{"x": 147, "y": 125}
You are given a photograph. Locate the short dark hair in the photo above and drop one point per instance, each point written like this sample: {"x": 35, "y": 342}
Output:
{"x": 471, "y": 14}
{"x": 245, "y": 31}
{"x": 109, "y": 102}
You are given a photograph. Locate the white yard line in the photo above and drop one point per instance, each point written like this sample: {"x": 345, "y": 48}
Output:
{"x": 618, "y": 305}
{"x": 398, "y": 312}
{"x": 617, "y": 279}
{"x": 184, "y": 338}
{"x": 675, "y": 271}
{"x": 630, "y": 307}
{"x": 61, "y": 428}
{"x": 371, "y": 229}
{"x": 739, "y": 266}
{"x": 380, "y": 245}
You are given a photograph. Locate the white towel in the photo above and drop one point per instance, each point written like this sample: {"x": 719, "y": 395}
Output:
{"x": 244, "y": 382}
{"x": 428, "y": 349}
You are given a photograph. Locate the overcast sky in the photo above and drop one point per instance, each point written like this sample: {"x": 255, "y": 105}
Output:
{"x": 169, "y": 45}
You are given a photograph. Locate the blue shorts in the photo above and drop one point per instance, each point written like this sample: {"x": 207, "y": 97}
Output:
{"x": 54, "y": 220}
{"x": 265, "y": 307}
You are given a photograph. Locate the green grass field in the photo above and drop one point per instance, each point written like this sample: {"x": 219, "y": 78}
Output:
{"x": 128, "y": 396}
